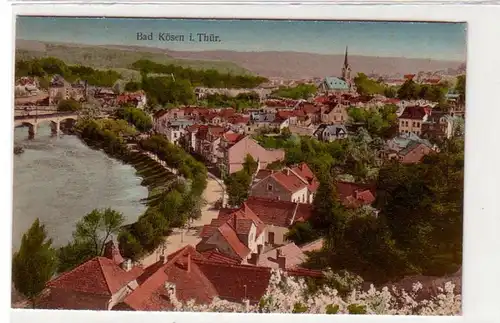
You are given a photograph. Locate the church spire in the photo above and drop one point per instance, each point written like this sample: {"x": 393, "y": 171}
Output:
{"x": 345, "y": 58}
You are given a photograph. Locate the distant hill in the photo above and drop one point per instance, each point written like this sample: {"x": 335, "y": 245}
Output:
{"x": 114, "y": 56}
{"x": 302, "y": 65}
{"x": 270, "y": 64}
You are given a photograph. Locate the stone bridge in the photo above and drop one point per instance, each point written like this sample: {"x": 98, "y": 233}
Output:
{"x": 55, "y": 119}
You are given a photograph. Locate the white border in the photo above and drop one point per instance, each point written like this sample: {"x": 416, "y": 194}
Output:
{"x": 482, "y": 221}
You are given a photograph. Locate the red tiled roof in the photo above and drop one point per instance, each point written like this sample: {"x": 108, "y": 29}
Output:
{"x": 231, "y": 237}
{"x": 233, "y": 137}
{"x": 414, "y": 113}
{"x": 181, "y": 270}
{"x": 201, "y": 280}
{"x": 409, "y": 76}
{"x": 288, "y": 180}
{"x": 236, "y": 282}
{"x": 99, "y": 276}
{"x": 216, "y": 256}
{"x": 306, "y": 173}
{"x": 278, "y": 213}
{"x": 352, "y": 194}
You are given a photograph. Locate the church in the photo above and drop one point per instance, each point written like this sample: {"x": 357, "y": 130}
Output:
{"x": 339, "y": 85}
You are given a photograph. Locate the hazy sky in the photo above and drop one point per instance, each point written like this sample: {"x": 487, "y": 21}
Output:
{"x": 391, "y": 39}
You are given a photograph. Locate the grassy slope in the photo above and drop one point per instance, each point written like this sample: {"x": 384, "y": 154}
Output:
{"x": 121, "y": 59}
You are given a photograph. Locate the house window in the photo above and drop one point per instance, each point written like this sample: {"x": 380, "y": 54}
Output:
{"x": 418, "y": 124}
{"x": 269, "y": 187}
{"x": 414, "y": 124}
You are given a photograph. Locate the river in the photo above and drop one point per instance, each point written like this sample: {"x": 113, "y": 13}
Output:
{"x": 60, "y": 179}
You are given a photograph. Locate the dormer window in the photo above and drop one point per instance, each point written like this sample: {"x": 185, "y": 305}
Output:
{"x": 269, "y": 187}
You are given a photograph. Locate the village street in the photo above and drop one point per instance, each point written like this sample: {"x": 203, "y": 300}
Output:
{"x": 181, "y": 237}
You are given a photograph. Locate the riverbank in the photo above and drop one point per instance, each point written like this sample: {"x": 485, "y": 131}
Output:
{"x": 176, "y": 182}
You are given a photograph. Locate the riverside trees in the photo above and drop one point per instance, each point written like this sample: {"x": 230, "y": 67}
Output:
{"x": 35, "y": 263}
{"x": 174, "y": 206}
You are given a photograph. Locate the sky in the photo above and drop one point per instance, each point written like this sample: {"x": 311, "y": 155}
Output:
{"x": 445, "y": 41}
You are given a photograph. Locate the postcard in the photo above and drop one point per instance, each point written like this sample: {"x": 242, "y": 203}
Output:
{"x": 254, "y": 166}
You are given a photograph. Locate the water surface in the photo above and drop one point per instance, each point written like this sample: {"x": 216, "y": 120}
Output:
{"x": 60, "y": 179}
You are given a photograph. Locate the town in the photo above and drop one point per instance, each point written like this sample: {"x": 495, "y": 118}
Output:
{"x": 341, "y": 182}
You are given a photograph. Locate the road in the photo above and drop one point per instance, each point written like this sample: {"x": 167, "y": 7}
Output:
{"x": 183, "y": 237}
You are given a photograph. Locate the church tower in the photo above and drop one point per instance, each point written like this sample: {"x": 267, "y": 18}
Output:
{"x": 346, "y": 69}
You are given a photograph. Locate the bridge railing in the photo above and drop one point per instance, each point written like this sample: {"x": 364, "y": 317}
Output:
{"x": 45, "y": 116}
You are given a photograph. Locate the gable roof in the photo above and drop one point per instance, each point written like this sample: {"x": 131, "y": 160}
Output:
{"x": 306, "y": 173}
{"x": 278, "y": 212}
{"x": 190, "y": 283}
{"x": 414, "y": 113}
{"x": 293, "y": 255}
{"x": 233, "y": 225}
{"x": 200, "y": 279}
{"x": 288, "y": 180}
{"x": 98, "y": 276}
{"x": 331, "y": 128}
{"x": 355, "y": 195}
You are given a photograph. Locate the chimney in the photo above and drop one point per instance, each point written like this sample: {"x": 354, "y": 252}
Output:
{"x": 259, "y": 249}
{"x": 288, "y": 172}
{"x": 253, "y": 259}
{"x": 188, "y": 264}
{"x": 127, "y": 265}
{"x": 280, "y": 259}
{"x": 162, "y": 259}
{"x": 170, "y": 287}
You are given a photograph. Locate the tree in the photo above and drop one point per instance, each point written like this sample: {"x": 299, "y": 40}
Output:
{"x": 69, "y": 106}
{"x": 250, "y": 165}
{"x": 460, "y": 88}
{"x": 132, "y": 86}
{"x": 35, "y": 263}
{"x": 237, "y": 187}
{"x": 90, "y": 237}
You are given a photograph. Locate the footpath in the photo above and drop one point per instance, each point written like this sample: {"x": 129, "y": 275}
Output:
{"x": 181, "y": 237}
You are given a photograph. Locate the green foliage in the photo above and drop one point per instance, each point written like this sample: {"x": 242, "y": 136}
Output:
{"x": 49, "y": 66}
{"x": 73, "y": 254}
{"x": 35, "y": 263}
{"x": 164, "y": 90}
{"x": 132, "y": 86}
{"x": 381, "y": 122}
{"x": 299, "y": 308}
{"x": 237, "y": 187}
{"x": 89, "y": 238}
{"x": 106, "y": 134}
{"x": 177, "y": 158}
{"x": 69, "y": 106}
{"x": 413, "y": 91}
{"x": 129, "y": 246}
{"x": 356, "y": 309}
{"x": 250, "y": 165}
{"x": 208, "y": 78}
{"x": 168, "y": 207}
{"x": 301, "y": 91}
{"x": 332, "y": 309}
{"x": 301, "y": 233}
{"x": 120, "y": 59}
{"x": 240, "y": 102}
{"x": 418, "y": 229}
{"x": 460, "y": 87}
{"x": 367, "y": 86}
{"x": 140, "y": 119}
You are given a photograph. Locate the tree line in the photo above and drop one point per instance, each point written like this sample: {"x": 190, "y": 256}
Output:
{"x": 418, "y": 229}
{"x": 173, "y": 206}
{"x": 49, "y": 66}
{"x": 207, "y": 78}
{"x": 301, "y": 91}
